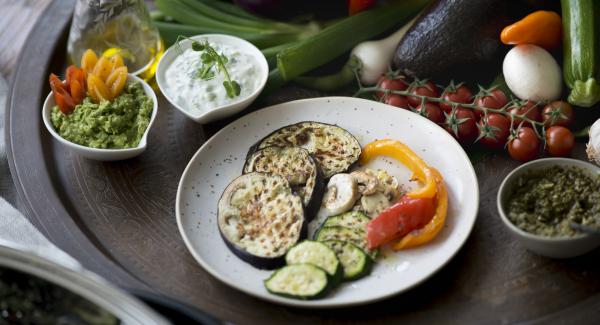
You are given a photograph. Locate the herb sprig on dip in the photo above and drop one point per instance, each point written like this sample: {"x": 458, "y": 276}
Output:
{"x": 211, "y": 61}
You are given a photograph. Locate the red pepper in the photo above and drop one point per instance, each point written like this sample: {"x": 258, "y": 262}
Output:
{"x": 356, "y": 6}
{"x": 400, "y": 219}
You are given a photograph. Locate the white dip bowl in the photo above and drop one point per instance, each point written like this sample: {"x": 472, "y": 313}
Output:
{"x": 179, "y": 95}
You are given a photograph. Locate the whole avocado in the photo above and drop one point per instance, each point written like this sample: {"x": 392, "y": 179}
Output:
{"x": 458, "y": 39}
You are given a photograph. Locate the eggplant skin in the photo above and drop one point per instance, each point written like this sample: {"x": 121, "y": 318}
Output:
{"x": 336, "y": 153}
{"x": 455, "y": 39}
{"x": 259, "y": 218}
{"x": 298, "y": 167}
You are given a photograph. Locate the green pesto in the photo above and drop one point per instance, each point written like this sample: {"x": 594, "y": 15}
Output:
{"x": 118, "y": 124}
{"x": 547, "y": 201}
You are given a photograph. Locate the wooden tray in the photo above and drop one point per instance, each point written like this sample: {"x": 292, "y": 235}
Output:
{"x": 118, "y": 220}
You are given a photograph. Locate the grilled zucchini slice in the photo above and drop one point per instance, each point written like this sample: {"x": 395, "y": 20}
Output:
{"x": 297, "y": 167}
{"x": 299, "y": 281}
{"x": 334, "y": 148}
{"x": 355, "y": 262}
{"x": 260, "y": 219}
{"x": 352, "y": 220}
{"x": 318, "y": 254}
{"x": 354, "y": 236}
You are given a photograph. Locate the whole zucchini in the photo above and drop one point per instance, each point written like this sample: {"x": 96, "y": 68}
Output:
{"x": 581, "y": 42}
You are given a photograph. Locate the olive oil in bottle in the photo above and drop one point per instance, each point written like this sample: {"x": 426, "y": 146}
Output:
{"x": 116, "y": 26}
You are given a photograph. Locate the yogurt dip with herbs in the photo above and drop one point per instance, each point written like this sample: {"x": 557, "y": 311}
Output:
{"x": 198, "y": 86}
{"x": 551, "y": 201}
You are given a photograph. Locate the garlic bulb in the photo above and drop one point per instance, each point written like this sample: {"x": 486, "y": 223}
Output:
{"x": 593, "y": 146}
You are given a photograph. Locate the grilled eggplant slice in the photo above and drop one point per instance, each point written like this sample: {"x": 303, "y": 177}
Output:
{"x": 297, "y": 166}
{"x": 334, "y": 148}
{"x": 260, "y": 219}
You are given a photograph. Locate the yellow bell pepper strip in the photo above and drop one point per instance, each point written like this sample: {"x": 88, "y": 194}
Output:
{"x": 402, "y": 153}
{"x": 542, "y": 28}
{"x": 429, "y": 231}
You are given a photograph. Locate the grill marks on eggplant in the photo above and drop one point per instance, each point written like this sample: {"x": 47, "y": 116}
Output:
{"x": 297, "y": 166}
{"x": 334, "y": 148}
{"x": 260, "y": 218}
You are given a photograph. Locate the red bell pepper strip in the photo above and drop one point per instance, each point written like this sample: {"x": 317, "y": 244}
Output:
{"x": 400, "y": 219}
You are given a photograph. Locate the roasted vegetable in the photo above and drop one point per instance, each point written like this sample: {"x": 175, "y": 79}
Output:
{"x": 297, "y": 167}
{"x": 299, "y": 281}
{"x": 260, "y": 219}
{"x": 356, "y": 263}
{"x": 334, "y": 148}
{"x": 455, "y": 40}
{"x": 581, "y": 50}
{"x": 316, "y": 253}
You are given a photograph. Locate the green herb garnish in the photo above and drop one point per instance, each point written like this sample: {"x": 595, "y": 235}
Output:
{"x": 211, "y": 61}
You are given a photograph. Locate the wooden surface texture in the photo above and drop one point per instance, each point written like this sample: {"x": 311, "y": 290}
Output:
{"x": 118, "y": 220}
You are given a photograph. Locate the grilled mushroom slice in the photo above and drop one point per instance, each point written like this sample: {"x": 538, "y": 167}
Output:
{"x": 260, "y": 218}
{"x": 334, "y": 148}
{"x": 297, "y": 167}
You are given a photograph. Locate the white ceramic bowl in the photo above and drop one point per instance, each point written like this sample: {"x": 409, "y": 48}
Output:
{"x": 223, "y": 111}
{"x": 555, "y": 247}
{"x": 103, "y": 154}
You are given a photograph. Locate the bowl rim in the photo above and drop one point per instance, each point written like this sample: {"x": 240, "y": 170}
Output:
{"x": 170, "y": 52}
{"x": 546, "y": 162}
{"x": 143, "y": 140}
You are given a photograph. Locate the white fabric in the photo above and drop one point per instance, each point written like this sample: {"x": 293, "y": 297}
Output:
{"x": 15, "y": 230}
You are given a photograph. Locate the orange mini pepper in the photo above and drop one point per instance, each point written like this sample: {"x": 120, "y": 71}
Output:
{"x": 431, "y": 230}
{"x": 402, "y": 153}
{"x": 542, "y": 28}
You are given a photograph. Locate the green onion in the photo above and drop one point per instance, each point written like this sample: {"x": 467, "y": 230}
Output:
{"x": 202, "y": 8}
{"x": 270, "y": 53}
{"x": 340, "y": 37}
{"x": 333, "y": 81}
{"x": 183, "y": 13}
{"x": 170, "y": 31}
{"x": 232, "y": 9}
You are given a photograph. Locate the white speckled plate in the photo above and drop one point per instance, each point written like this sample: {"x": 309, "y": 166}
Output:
{"x": 221, "y": 158}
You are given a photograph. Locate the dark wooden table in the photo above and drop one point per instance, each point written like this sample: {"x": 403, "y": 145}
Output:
{"x": 118, "y": 220}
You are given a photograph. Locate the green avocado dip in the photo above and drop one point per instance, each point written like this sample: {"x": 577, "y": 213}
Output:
{"x": 118, "y": 124}
{"x": 551, "y": 201}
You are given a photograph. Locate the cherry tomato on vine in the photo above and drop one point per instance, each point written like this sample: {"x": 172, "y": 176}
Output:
{"x": 494, "y": 98}
{"x": 558, "y": 113}
{"x": 494, "y": 130}
{"x": 559, "y": 141}
{"x": 390, "y": 84}
{"x": 432, "y": 112}
{"x": 426, "y": 88}
{"x": 461, "y": 94}
{"x": 529, "y": 109}
{"x": 525, "y": 146}
{"x": 397, "y": 100}
{"x": 462, "y": 125}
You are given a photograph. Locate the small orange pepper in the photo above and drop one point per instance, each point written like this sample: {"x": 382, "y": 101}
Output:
{"x": 402, "y": 153}
{"x": 542, "y": 28}
{"x": 431, "y": 230}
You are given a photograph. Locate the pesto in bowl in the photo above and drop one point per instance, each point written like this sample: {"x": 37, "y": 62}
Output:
{"x": 117, "y": 124}
{"x": 551, "y": 201}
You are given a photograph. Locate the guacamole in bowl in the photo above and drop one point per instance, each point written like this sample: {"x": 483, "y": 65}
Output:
{"x": 109, "y": 130}
{"x": 117, "y": 124}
